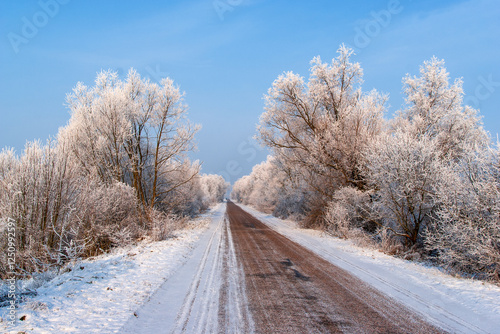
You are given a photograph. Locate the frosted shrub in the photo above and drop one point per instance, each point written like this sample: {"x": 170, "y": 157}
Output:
{"x": 36, "y": 193}
{"x": 123, "y": 236}
{"x": 162, "y": 225}
{"x": 350, "y": 209}
{"x": 338, "y": 220}
{"x": 291, "y": 204}
{"x": 388, "y": 242}
{"x": 404, "y": 171}
{"x": 466, "y": 234}
{"x": 108, "y": 216}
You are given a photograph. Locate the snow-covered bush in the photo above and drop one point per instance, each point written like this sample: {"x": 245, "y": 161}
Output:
{"x": 107, "y": 216}
{"x": 466, "y": 234}
{"x": 388, "y": 242}
{"x": 338, "y": 220}
{"x": 293, "y": 200}
{"x": 58, "y": 214}
{"x": 163, "y": 224}
{"x": 349, "y": 209}
{"x": 37, "y": 194}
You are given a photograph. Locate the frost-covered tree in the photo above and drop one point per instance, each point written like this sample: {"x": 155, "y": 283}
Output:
{"x": 213, "y": 187}
{"x": 466, "y": 233}
{"x": 350, "y": 209}
{"x": 435, "y": 109}
{"x": 433, "y": 132}
{"x": 269, "y": 189}
{"x": 131, "y": 131}
{"x": 319, "y": 129}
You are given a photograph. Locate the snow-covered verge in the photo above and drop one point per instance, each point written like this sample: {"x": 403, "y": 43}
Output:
{"x": 457, "y": 305}
{"x": 206, "y": 295}
{"x": 99, "y": 295}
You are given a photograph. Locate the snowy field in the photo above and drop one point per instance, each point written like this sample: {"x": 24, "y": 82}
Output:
{"x": 457, "y": 305}
{"x": 99, "y": 295}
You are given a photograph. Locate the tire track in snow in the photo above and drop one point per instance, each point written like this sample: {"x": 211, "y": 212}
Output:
{"x": 216, "y": 301}
{"x": 234, "y": 309}
{"x": 205, "y": 295}
{"x": 199, "y": 292}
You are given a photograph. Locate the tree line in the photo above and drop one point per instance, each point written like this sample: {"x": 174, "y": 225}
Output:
{"x": 425, "y": 182}
{"x": 118, "y": 172}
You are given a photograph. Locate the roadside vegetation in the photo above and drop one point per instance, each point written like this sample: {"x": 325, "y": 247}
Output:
{"x": 424, "y": 184}
{"x": 117, "y": 173}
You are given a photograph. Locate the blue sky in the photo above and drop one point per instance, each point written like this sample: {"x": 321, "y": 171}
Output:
{"x": 225, "y": 54}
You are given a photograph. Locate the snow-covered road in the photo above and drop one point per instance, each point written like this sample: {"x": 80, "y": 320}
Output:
{"x": 206, "y": 295}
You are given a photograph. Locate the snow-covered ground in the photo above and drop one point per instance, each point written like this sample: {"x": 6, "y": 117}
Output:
{"x": 180, "y": 284}
{"x": 206, "y": 295}
{"x": 457, "y": 305}
{"x": 99, "y": 295}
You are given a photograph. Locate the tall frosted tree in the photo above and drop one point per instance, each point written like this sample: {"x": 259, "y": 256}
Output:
{"x": 430, "y": 135}
{"x": 132, "y": 131}
{"x": 318, "y": 129}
